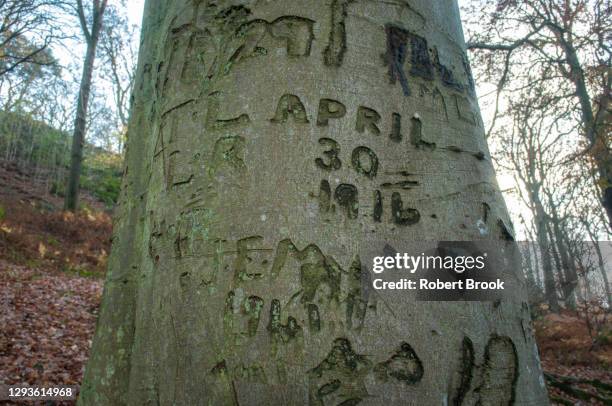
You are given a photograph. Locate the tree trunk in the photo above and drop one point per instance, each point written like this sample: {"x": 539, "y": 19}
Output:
{"x": 267, "y": 142}
{"x": 92, "y": 37}
{"x": 603, "y": 270}
{"x": 78, "y": 135}
{"x": 568, "y": 265}
{"x": 534, "y": 246}
{"x": 596, "y": 128}
{"x": 550, "y": 289}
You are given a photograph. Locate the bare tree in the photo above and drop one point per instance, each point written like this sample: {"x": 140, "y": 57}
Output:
{"x": 27, "y": 30}
{"x": 120, "y": 50}
{"x": 564, "y": 46}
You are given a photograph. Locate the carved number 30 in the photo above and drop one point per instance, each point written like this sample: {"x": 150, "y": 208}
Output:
{"x": 331, "y": 162}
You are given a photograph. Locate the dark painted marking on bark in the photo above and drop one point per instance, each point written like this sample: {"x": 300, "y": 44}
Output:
{"x": 421, "y": 62}
{"x": 446, "y": 74}
{"x": 395, "y": 57}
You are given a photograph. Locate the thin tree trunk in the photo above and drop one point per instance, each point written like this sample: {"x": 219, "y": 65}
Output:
{"x": 92, "y": 37}
{"x": 594, "y": 126}
{"x": 600, "y": 263}
{"x": 268, "y": 141}
{"x": 78, "y": 135}
{"x": 567, "y": 264}
{"x": 533, "y": 246}
{"x": 602, "y": 269}
{"x": 550, "y": 289}
{"x": 529, "y": 266}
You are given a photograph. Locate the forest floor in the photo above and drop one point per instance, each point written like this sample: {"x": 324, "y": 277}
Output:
{"x": 51, "y": 276}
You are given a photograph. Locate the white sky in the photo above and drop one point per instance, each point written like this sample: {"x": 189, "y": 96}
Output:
{"x": 134, "y": 11}
{"x": 68, "y": 54}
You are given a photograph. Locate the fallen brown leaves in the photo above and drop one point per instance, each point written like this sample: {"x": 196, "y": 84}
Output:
{"x": 47, "y": 321}
{"x": 54, "y": 240}
{"x": 48, "y": 307}
{"x": 568, "y": 348}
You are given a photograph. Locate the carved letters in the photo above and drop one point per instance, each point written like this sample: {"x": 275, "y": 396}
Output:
{"x": 340, "y": 378}
{"x": 367, "y": 118}
{"x": 329, "y": 108}
{"x": 347, "y": 197}
{"x": 334, "y": 52}
{"x": 290, "y": 105}
{"x": 332, "y": 162}
{"x": 295, "y": 32}
{"x": 424, "y": 62}
{"x": 322, "y": 291}
{"x": 357, "y": 158}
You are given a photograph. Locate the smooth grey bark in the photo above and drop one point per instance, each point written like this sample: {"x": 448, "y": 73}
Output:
{"x": 92, "y": 37}
{"x": 268, "y": 141}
